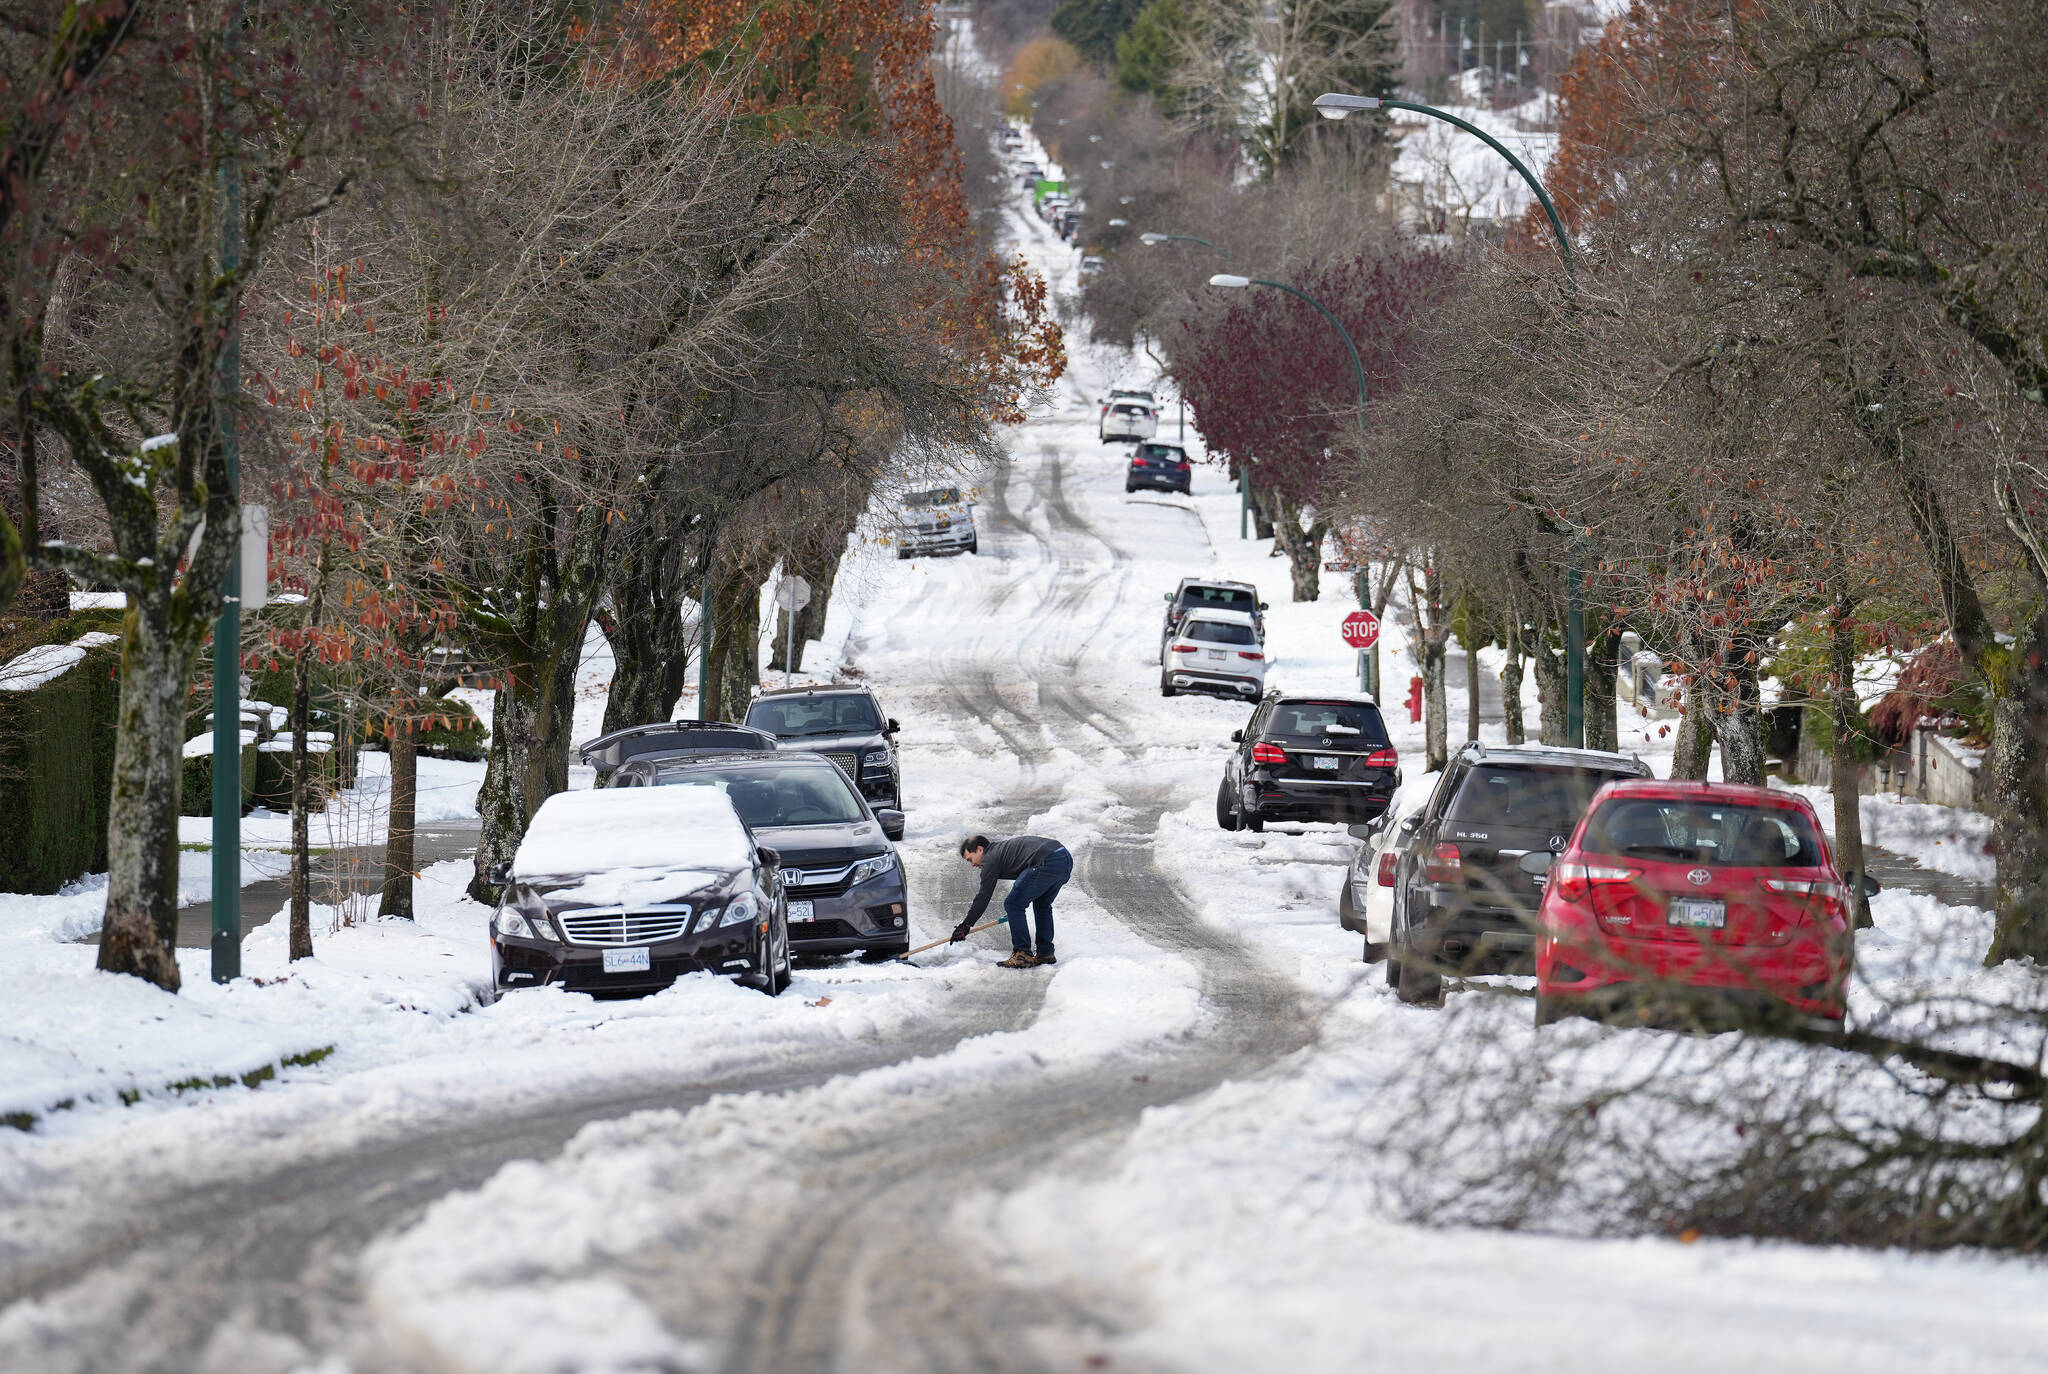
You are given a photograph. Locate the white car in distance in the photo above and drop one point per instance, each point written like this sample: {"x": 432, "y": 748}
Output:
{"x": 1125, "y": 418}
{"x": 1217, "y": 652}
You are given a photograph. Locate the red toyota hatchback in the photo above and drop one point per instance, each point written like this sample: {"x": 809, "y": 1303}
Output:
{"x": 1700, "y": 898}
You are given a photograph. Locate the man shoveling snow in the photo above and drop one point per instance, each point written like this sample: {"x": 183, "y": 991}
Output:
{"x": 1037, "y": 869}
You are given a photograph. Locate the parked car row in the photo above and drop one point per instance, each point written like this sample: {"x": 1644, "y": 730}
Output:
{"x": 1625, "y": 895}
{"x": 758, "y": 843}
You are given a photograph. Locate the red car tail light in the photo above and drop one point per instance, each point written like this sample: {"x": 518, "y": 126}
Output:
{"x": 1383, "y": 758}
{"x": 1444, "y": 864}
{"x": 1817, "y": 887}
{"x": 1574, "y": 880}
{"x": 1185, "y": 648}
{"x": 1261, "y": 658}
{"x": 1384, "y": 875}
{"x": 1268, "y": 753}
{"x": 1182, "y": 466}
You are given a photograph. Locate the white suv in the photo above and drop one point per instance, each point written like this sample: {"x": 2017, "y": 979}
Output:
{"x": 1129, "y": 419}
{"x": 1214, "y": 651}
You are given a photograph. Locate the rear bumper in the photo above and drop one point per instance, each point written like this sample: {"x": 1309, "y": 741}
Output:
{"x": 1462, "y": 936}
{"x": 1345, "y": 802}
{"x": 1159, "y": 481}
{"x": 1223, "y": 684}
{"x": 1802, "y": 978}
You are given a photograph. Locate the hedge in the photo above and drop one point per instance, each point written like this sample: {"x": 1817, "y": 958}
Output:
{"x": 57, "y": 768}
{"x": 274, "y": 773}
{"x": 195, "y": 794}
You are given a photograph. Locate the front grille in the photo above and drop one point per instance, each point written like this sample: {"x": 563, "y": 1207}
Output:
{"x": 848, "y": 762}
{"x": 600, "y": 925}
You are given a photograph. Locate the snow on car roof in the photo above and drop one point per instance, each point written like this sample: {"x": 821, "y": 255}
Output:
{"x": 633, "y": 827}
{"x": 1220, "y": 615}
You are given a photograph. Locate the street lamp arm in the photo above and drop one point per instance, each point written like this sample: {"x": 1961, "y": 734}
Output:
{"x": 1185, "y": 238}
{"x": 1357, "y": 364}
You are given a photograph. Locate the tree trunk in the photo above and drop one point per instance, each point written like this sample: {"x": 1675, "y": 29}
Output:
{"x": 1551, "y": 676}
{"x": 818, "y": 566}
{"x": 2019, "y": 777}
{"x": 531, "y": 720}
{"x": 396, "y": 899}
{"x": 1739, "y": 732}
{"x": 1303, "y": 547}
{"x": 140, "y": 934}
{"x": 1434, "y": 632}
{"x": 1262, "y": 520}
{"x": 1511, "y": 683}
{"x": 734, "y": 668}
{"x": 1603, "y": 666}
{"x": 1694, "y": 747}
{"x": 1845, "y": 784}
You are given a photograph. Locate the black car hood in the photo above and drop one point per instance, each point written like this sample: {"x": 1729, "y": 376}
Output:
{"x": 823, "y": 846}
{"x": 790, "y": 744}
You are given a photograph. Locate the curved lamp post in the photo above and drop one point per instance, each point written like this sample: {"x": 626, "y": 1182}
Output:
{"x": 1225, "y": 279}
{"x": 1336, "y": 105}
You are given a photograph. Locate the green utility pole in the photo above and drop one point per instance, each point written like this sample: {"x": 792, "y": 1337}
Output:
{"x": 226, "y": 906}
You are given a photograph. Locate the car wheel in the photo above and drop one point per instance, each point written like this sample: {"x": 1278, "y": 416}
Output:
{"x": 974, "y": 545}
{"x": 1128, "y": 488}
{"x": 1347, "y": 914}
{"x": 1419, "y": 986}
{"x": 1248, "y": 813}
{"x": 1165, "y": 686}
{"x": 1393, "y": 969}
{"x": 1373, "y": 952}
{"x": 1226, "y": 813}
{"x": 785, "y": 972}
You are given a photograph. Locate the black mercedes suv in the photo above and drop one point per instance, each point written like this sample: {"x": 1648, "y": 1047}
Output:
{"x": 1461, "y": 903}
{"x": 846, "y": 725}
{"x": 1308, "y": 758}
{"x": 843, "y": 880}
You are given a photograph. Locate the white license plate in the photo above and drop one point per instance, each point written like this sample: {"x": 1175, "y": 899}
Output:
{"x": 625, "y": 961}
{"x": 801, "y": 911}
{"x": 1704, "y": 915}
{"x": 1327, "y": 765}
{"x": 1218, "y": 653}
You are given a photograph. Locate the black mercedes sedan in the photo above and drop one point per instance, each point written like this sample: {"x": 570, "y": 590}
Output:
{"x": 842, "y": 878}
{"x": 619, "y": 891}
{"x": 846, "y": 725}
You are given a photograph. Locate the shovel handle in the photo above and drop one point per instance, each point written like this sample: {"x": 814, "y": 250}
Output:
{"x": 949, "y": 939}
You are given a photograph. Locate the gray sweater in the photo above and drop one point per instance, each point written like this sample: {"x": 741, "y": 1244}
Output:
{"x": 1010, "y": 858}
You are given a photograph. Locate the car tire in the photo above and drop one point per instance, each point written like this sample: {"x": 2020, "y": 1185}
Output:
{"x": 973, "y": 545}
{"x": 1418, "y": 986}
{"x": 1129, "y": 488}
{"x": 1393, "y": 969}
{"x": 1226, "y": 811}
{"x": 1249, "y": 817}
{"x": 1373, "y": 952}
{"x": 1347, "y": 914}
{"x": 785, "y": 973}
{"x": 1166, "y": 687}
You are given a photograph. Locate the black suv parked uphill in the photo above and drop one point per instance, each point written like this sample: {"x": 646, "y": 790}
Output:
{"x": 1460, "y": 901}
{"x": 847, "y": 726}
{"x": 1308, "y": 758}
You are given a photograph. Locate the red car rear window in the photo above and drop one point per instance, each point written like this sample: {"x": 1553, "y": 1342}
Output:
{"x": 1709, "y": 833}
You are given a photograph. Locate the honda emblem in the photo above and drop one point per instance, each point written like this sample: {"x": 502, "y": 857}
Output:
{"x": 1699, "y": 877}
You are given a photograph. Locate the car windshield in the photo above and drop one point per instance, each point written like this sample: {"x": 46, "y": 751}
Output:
{"x": 1222, "y": 598}
{"x": 796, "y": 717}
{"x": 1351, "y": 721}
{"x": 1219, "y": 632}
{"x": 942, "y": 496}
{"x": 1715, "y": 834}
{"x": 1546, "y": 799}
{"x": 795, "y": 794}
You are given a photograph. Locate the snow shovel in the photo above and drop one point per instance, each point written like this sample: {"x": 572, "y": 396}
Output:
{"x": 991, "y": 925}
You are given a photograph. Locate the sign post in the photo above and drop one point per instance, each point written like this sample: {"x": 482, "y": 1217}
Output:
{"x": 792, "y": 594}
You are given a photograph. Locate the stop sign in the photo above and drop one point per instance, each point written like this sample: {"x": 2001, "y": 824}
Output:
{"x": 1361, "y": 629}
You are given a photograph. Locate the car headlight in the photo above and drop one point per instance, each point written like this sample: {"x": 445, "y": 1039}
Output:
{"x": 741, "y": 910}
{"x": 511, "y": 921}
{"x": 867, "y": 870}
{"x": 876, "y": 761}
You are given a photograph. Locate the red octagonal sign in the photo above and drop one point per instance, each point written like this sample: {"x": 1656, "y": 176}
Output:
{"x": 1361, "y": 629}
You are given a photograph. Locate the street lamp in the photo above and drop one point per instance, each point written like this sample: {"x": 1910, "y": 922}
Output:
{"x": 1225, "y": 279}
{"x": 1154, "y": 240}
{"x": 1336, "y": 105}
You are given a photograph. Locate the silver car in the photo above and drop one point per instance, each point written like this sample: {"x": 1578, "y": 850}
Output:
{"x": 938, "y": 520}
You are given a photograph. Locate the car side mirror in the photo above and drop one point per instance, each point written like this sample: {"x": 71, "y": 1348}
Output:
{"x": 891, "y": 822}
{"x": 1167, "y": 597}
{"x": 1409, "y": 824}
{"x": 1871, "y": 886}
{"x": 1536, "y": 862}
{"x": 1237, "y": 737}
{"x": 890, "y": 726}
{"x": 499, "y": 873}
{"x": 1264, "y": 607}
{"x": 768, "y": 857}
{"x": 1363, "y": 831}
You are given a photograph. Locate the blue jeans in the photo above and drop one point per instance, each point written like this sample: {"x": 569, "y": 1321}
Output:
{"x": 1035, "y": 888}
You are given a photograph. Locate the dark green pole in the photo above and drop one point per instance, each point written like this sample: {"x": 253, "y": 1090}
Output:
{"x": 226, "y": 906}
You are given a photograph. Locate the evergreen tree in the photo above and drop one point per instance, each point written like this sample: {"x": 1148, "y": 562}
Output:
{"x": 1094, "y": 26}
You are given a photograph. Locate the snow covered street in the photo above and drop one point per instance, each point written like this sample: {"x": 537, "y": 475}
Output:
{"x": 1167, "y": 1152}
